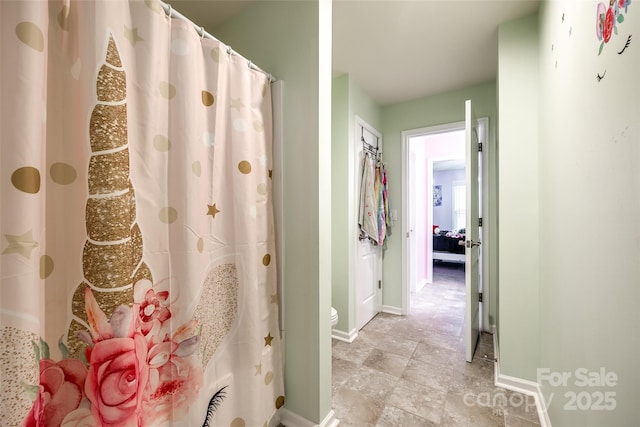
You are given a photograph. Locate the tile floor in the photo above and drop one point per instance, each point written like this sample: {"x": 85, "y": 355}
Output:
{"x": 411, "y": 371}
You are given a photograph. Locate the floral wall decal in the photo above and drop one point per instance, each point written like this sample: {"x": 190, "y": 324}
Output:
{"x": 607, "y": 20}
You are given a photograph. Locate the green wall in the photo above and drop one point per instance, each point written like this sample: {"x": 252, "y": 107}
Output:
{"x": 430, "y": 111}
{"x": 292, "y": 40}
{"x": 569, "y": 185}
{"x": 589, "y": 180}
{"x": 518, "y": 198}
{"x": 348, "y": 101}
{"x": 341, "y": 295}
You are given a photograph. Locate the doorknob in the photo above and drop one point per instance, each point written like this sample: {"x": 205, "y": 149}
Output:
{"x": 471, "y": 243}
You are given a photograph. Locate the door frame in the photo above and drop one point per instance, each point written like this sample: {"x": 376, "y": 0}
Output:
{"x": 483, "y": 124}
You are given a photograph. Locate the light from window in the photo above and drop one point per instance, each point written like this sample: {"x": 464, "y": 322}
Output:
{"x": 459, "y": 205}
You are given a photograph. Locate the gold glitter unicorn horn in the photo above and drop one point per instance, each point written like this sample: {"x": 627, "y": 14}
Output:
{"x": 112, "y": 256}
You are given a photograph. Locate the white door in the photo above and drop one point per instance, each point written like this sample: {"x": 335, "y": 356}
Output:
{"x": 368, "y": 260}
{"x": 472, "y": 253}
{"x": 367, "y": 280}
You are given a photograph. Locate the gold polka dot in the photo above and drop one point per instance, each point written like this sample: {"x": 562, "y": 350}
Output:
{"x": 215, "y": 54}
{"x": 63, "y": 18}
{"x": 161, "y": 143}
{"x": 238, "y": 422}
{"x": 258, "y": 126}
{"x": 200, "y": 245}
{"x": 268, "y": 378}
{"x": 262, "y": 189}
{"x": 279, "y": 402}
{"x": 244, "y": 167}
{"x": 266, "y": 260}
{"x": 62, "y": 173}
{"x": 26, "y": 179}
{"x": 207, "y": 98}
{"x": 168, "y": 215}
{"x": 167, "y": 90}
{"x": 196, "y": 168}
{"x": 29, "y": 34}
{"x": 46, "y": 266}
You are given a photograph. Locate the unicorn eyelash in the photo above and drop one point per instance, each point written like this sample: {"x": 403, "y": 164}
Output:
{"x": 214, "y": 404}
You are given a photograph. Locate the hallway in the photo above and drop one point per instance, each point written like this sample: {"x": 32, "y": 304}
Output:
{"x": 411, "y": 371}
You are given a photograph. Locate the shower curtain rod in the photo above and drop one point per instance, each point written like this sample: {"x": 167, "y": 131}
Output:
{"x": 171, "y": 13}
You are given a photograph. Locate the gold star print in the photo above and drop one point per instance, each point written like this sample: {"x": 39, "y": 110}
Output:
{"x": 213, "y": 210}
{"x": 268, "y": 339}
{"x": 237, "y": 104}
{"x": 258, "y": 369}
{"x": 22, "y": 244}
{"x": 131, "y": 34}
{"x": 274, "y": 299}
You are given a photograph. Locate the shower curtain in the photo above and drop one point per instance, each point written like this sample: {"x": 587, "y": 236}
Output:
{"x": 137, "y": 249}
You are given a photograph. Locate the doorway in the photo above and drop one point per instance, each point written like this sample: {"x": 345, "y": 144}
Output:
{"x": 437, "y": 168}
{"x": 425, "y": 151}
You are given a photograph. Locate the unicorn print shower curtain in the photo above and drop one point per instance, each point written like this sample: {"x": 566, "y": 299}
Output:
{"x": 137, "y": 253}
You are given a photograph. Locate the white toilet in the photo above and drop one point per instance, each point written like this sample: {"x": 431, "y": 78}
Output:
{"x": 334, "y": 317}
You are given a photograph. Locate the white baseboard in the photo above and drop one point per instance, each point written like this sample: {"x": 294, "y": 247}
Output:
{"x": 344, "y": 336}
{"x": 526, "y": 387}
{"x": 392, "y": 310}
{"x": 291, "y": 419}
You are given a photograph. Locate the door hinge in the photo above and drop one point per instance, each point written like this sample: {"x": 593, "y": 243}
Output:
{"x": 479, "y": 147}
{"x": 479, "y": 222}
{"x": 379, "y": 284}
{"x": 480, "y": 297}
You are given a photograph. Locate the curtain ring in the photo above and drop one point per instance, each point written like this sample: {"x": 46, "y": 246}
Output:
{"x": 201, "y": 32}
{"x": 250, "y": 64}
{"x": 229, "y": 50}
{"x": 170, "y": 12}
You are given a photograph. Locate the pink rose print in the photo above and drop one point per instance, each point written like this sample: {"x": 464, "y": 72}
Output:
{"x": 61, "y": 390}
{"x": 143, "y": 370}
{"x": 154, "y": 306}
{"x": 117, "y": 377}
{"x": 608, "y": 21}
{"x": 172, "y": 388}
{"x": 151, "y": 308}
{"x": 81, "y": 417}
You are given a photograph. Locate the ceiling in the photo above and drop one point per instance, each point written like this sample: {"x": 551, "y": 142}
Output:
{"x": 398, "y": 50}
